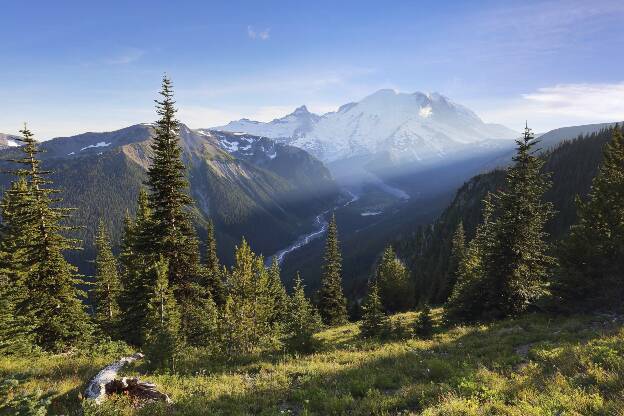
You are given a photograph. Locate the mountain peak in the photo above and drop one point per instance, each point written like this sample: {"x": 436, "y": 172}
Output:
{"x": 301, "y": 110}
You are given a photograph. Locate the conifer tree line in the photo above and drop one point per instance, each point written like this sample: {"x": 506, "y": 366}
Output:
{"x": 157, "y": 293}
{"x": 510, "y": 267}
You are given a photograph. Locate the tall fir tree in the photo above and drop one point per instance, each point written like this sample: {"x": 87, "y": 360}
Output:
{"x": 301, "y": 320}
{"x": 395, "y": 288}
{"x": 172, "y": 233}
{"x": 592, "y": 257}
{"x": 136, "y": 259}
{"x": 162, "y": 333}
{"x": 375, "y": 322}
{"x": 107, "y": 287}
{"x": 213, "y": 274}
{"x": 458, "y": 251}
{"x": 506, "y": 269}
{"x": 332, "y": 302}
{"x": 15, "y": 326}
{"x": 518, "y": 265}
{"x": 277, "y": 293}
{"x": 469, "y": 293}
{"x": 52, "y": 300}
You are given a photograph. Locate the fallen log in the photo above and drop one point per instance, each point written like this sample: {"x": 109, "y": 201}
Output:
{"x": 106, "y": 383}
{"x": 96, "y": 389}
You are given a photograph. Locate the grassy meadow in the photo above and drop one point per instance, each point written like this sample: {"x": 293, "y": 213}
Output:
{"x": 535, "y": 365}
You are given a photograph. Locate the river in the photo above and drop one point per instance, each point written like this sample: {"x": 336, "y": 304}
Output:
{"x": 320, "y": 226}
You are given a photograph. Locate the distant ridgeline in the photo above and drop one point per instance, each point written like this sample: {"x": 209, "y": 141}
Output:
{"x": 248, "y": 186}
{"x": 572, "y": 165}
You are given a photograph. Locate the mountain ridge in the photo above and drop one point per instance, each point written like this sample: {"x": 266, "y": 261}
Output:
{"x": 269, "y": 201}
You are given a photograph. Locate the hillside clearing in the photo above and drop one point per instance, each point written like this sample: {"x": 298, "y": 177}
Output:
{"x": 535, "y": 365}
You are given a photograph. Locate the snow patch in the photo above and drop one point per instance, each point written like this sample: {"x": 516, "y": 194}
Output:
{"x": 425, "y": 112}
{"x": 71, "y": 154}
{"x": 98, "y": 144}
{"x": 229, "y": 146}
{"x": 370, "y": 213}
{"x": 12, "y": 143}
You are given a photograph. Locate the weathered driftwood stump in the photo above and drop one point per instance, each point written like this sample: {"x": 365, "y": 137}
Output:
{"x": 105, "y": 383}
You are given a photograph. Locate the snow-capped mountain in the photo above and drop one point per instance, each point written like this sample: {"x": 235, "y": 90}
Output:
{"x": 402, "y": 127}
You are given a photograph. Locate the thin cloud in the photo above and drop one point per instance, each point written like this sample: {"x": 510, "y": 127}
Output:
{"x": 261, "y": 35}
{"x": 126, "y": 57}
{"x": 562, "y": 105}
{"x": 597, "y": 101}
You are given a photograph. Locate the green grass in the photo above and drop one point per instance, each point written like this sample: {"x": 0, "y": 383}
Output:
{"x": 535, "y": 365}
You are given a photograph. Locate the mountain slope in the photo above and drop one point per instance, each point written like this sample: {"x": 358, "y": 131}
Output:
{"x": 572, "y": 165}
{"x": 269, "y": 203}
{"x": 296, "y": 124}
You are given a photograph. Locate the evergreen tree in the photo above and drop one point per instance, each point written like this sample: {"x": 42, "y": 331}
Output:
{"x": 458, "y": 251}
{"x": 136, "y": 259}
{"x": 246, "y": 322}
{"x": 395, "y": 288}
{"x": 592, "y": 257}
{"x": 332, "y": 302}
{"x": 277, "y": 293}
{"x": 162, "y": 340}
{"x": 212, "y": 269}
{"x": 517, "y": 265}
{"x": 470, "y": 291}
{"x": 375, "y": 322}
{"x": 107, "y": 286}
{"x": 52, "y": 300}
{"x": 506, "y": 268}
{"x": 301, "y": 320}
{"x": 172, "y": 233}
{"x": 200, "y": 326}
{"x": 15, "y": 327}
{"x": 424, "y": 323}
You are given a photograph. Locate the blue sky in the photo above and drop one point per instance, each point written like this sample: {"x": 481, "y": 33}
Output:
{"x": 75, "y": 66}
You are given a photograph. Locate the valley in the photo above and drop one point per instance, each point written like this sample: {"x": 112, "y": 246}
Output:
{"x": 323, "y": 208}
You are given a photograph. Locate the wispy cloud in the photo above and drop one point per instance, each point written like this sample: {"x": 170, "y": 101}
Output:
{"x": 587, "y": 101}
{"x": 126, "y": 56}
{"x": 261, "y": 35}
{"x": 561, "y": 105}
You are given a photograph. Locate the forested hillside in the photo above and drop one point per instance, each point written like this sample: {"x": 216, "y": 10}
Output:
{"x": 270, "y": 201}
{"x": 572, "y": 166}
